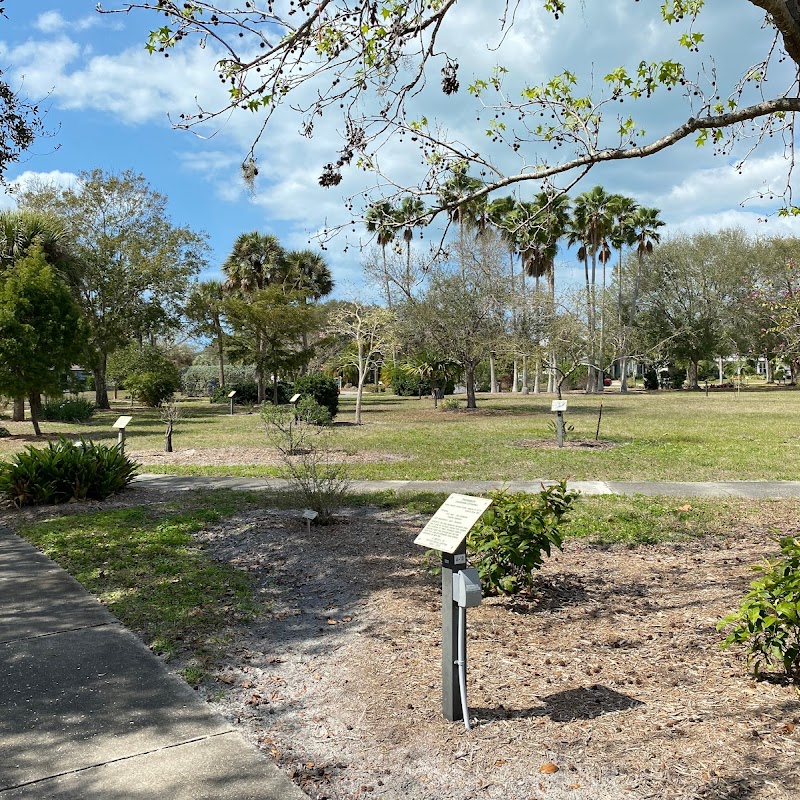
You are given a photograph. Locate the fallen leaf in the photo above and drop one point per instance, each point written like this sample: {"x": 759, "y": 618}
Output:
{"x": 332, "y": 621}
{"x": 549, "y": 768}
{"x": 788, "y": 728}
{"x": 685, "y": 508}
{"x": 499, "y": 762}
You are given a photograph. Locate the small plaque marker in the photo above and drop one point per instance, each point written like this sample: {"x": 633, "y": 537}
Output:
{"x": 232, "y": 394}
{"x": 122, "y": 423}
{"x": 308, "y": 516}
{"x": 449, "y": 526}
{"x": 559, "y": 405}
{"x": 294, "y": 398}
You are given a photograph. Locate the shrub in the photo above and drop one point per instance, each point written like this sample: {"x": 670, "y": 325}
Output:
{"x": 4, "y": 432}
{"x": 65, "y": 471}
{"x": 323, "y": 389}
{"x": 509, "y": 539}
{"x": 405, "y": 383}
{"x": 450, "y": 404}
{"x": 768, "y": 620}
{"x": 312, "y": 413}
{"x": 72, "y": 410}
{"x": 317, "y": 478}
{"x": 195, "y": 380}
{"x": 651, "y": 380}
{"x": 153, "y": 388}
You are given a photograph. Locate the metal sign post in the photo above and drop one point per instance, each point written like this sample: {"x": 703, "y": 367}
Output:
{"x": 120, "y": 425}
{"x": 231, "y": 396}
{"x": 447, "y": 531}
{"x": 559, "y": 406}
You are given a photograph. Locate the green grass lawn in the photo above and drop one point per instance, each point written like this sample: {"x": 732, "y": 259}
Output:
{"x": 754, "y": 435}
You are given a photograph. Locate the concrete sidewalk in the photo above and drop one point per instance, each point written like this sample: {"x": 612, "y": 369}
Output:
{"x": 89, "y": 713}
{"x": 746, "y": 489}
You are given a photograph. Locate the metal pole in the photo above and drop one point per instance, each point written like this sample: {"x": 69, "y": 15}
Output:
{"x": 231, "y": 406}
{"x": 451, "y": 692}
{"x": 121, "y": 439}
{"x": 560, "y": 428}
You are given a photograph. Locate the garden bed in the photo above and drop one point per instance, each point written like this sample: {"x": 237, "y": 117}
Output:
{"x": 610, "y": 684}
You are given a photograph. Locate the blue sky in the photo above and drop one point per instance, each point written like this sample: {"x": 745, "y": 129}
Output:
{"x": 108, "y": 104}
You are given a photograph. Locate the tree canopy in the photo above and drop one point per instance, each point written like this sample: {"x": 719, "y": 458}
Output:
{"x": 377, "y": 67}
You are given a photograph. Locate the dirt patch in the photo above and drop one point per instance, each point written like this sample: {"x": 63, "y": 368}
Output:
{"x": 613, "y": 674}
{"x": 261, "y": 456}
{"x": 574, "y": 444}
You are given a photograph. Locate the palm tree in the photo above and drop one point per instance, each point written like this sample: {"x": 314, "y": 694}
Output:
{"x": 256, "y": 261}
{"x": 590, "y": 229}
{"x": 500, "y": 213}
{"x": 644, "y": 225}
{"x": 379, "y": 220}
{"x": 466, "y": 213}
{"x": 307, "y": 271}
{"x": 547, "y": 224}
{"x": 622, "y": 211}
{"x": 409, "y": 214}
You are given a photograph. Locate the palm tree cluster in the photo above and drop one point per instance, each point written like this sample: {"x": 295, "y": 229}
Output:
{"x": 267, "y": 292}
{"x": 596, "y": 223}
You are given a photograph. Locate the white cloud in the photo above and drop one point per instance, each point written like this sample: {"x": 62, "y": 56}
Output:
{"x": 54, "y": 22}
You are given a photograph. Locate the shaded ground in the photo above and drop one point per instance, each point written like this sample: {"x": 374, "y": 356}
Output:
{"x": 613, "y": 675}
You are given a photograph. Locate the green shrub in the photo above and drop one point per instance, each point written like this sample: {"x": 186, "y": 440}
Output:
{"x": 72, "y": 410}
{"x": 651, "y": 380}
{"x": 405, "y": 383}
{"x": 323, "y": 389}
{"x": 312, "y": 413}
{"x": 450, "y": 404}
{"x": 4, "y": 432}
{"x": 195, "y": 380}
{"x": 508, "y": 542}
{"x": 153, "y": 388}
{"x": 65, "y": 471}
{"x": 768, "y": 620}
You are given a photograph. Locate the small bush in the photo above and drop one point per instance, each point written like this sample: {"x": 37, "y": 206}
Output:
{"x": 323, "y": 389}
{"x": 451, "y": 404}
{"x": 153, "y": 388}
{"x": 768, "y": 620}
{"x": 72, "y": 410}
{"x": 405, "y": 383}
{"x": 510, "y": 538}
{"x": 4, "y": 432}
{"x": 312, "y": 413}
{"x": 65, "y": 471}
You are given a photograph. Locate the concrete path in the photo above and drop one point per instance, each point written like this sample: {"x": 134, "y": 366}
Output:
{"x": 748, "y": 489}
{"x": 89, "y": 713}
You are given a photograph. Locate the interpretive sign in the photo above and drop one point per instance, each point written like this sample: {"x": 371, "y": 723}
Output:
{"x": 294, "y": 398}
{"x": 232, "y": 394}
{"x": 449, "y": 526}
{"x": 559, "y": 405}
{"x": 122, "y": 423}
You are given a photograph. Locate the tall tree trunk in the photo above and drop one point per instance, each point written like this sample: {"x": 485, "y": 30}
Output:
{"x": 537, "y": 370}
{"x": 590, "y": 381}
{"x": 623, "y": 378}
{"x": 525, "y": 374}
{"x": 515, "y": 379}
{"x": 492, "y": 375}
{"x": 691, "y": 374}
{"x": 769, "y": 377}
{"x": 601, "y": 355}
{"x": 18, "y": 414}
{"x": 469, "y": 371}
{"x": 221, "y": 353}
{"x": 721, "y": 369}
{"x": 100, "y": 391}
{"x": 34, "y": 403}
{"x": 168, "y": 438}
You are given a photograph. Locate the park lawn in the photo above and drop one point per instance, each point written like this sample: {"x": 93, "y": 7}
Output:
{"x": 752, "y": 435}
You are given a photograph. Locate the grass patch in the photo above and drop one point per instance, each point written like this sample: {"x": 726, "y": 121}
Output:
{"x": 640, "y": 520}
{"x": 656, "y": 436}
{"x": 143, "y": 565}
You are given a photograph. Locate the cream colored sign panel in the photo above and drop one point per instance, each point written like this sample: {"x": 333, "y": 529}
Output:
{"x": 449, "y": 526}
